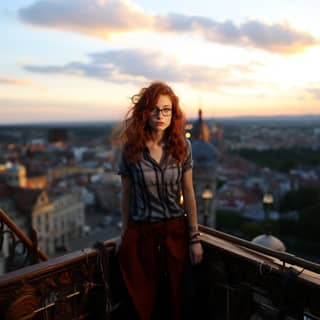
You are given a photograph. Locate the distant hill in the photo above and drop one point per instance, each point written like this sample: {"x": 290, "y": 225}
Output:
{"x": 74, "y": 132}
{"x": 283, "y": 120}
{"x": 287, "y": 120}
{"x": 60, "y": 124}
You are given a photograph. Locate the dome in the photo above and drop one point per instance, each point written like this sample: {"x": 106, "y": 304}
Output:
{"x": 269, "y": 241}
{"x": 203, "y": 153}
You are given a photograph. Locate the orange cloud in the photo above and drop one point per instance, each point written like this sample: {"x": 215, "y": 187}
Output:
{"x": 102, "y": 19}
{"x": 14, "y": 81}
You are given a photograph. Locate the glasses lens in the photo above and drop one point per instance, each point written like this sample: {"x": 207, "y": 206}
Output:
{"x": 165, "y": 111}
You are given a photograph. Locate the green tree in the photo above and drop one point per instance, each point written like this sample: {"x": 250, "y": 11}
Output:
{"x": 300, "y": 199}
{"x": 309, "y": 223}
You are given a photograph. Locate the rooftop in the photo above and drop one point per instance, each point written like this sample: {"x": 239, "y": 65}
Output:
{"x": 237, "y": 280}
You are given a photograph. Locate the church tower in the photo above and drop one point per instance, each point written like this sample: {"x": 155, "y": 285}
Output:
{"x": 204, "y": 169}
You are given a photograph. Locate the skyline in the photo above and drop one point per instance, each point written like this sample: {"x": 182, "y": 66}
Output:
{"x": 82, "y": 60}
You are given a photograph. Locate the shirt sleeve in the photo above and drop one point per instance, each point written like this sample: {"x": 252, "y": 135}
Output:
{"x": 188, "y": 164}
{"x": 123, "y": 167}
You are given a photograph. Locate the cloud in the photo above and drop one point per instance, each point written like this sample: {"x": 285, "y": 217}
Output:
{"x": 139, "y": 66}
{"x": 103, "y": 18}
{"x": 14, "y": 81}
{"x": 278, "y": 37}
{"x": 315, "y": 92}
{"x": 94, "y": 17}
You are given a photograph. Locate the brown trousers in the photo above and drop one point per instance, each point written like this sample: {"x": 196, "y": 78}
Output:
{"x": 151, "y": 253}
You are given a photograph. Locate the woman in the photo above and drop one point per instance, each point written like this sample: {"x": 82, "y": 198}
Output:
{"x": 157, "y": 231}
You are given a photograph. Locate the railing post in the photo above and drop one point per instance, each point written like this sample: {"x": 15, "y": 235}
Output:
{"x": 34, "y": 251}
{"x": 17, "y": 239}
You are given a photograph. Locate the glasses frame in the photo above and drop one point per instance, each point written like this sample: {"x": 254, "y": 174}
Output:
{"x": 155, "y": 111}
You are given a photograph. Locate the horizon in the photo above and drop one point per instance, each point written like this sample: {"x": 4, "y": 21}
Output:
{"x": 69, "y": 60}
{"x": 286, "y": 117}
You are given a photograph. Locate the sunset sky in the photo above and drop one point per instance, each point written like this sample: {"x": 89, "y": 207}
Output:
{"x": 78, "y": 60}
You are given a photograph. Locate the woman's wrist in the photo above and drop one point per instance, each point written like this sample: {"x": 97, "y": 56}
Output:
{"x": 193, "y": 228}
{"x": 194, "y": 235}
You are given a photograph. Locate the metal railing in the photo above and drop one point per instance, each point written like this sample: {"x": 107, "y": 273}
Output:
{"x": 282, "y": 256}
{"x": 237, "y": 280}
{"x": 17, "y": 249}
{"x": 72, "y": 286}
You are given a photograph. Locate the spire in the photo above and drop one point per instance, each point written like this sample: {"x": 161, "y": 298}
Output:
{"x": 201, "y": 130}
{"x": 200, "y": 115}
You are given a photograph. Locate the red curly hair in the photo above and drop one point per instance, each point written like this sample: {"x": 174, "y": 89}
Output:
{"x": 136, "y": 130}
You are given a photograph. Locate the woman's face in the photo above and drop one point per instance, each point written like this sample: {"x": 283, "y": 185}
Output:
{"x": 161, "y": 114}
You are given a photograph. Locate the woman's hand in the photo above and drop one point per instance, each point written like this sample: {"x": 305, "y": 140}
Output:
{"x": 196, "y": 253}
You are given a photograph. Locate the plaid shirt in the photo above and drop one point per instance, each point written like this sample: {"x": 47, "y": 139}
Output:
{"x": 156, "y": 187}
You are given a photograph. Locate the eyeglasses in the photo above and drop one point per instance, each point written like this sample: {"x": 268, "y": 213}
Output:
{"x": 166, "y": 112}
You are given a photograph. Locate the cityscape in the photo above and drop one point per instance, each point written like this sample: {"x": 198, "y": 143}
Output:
{"x": 257, "y": 210}
{"x": 247, "y": 79}
{"x": 61, "y": 180}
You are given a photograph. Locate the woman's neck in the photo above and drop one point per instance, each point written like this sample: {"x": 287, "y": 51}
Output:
{"x": 157, "y": 137}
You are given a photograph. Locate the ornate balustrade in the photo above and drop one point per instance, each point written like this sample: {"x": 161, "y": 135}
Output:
{"x": 241, "y": 280}
{"x": 73, "y": 286}
{"x": 16, "y": 248}
{"x": 237, "y": 280}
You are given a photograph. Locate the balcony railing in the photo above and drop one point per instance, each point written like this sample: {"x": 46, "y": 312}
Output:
{"x": 17, "y": 249}
{"x": 236, "y": 280}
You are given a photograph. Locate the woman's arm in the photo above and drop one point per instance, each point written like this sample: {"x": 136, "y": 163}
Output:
{"x": 126, "y": 194}
{"x": 196, "y": 251}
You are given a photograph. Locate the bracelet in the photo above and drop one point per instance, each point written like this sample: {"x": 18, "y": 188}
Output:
{"x": 195, "y": 235}
{"x": 192, "y": 242}
{"x": 193, "y": 228}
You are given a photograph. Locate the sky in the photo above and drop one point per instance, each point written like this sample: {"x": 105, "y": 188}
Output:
{"x": 82, "y": 60}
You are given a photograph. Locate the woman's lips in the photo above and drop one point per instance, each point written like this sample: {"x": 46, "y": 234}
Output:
{"x": 159, "y": 123}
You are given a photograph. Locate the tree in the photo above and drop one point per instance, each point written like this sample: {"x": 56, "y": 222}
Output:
{"x": 309, "y": 223}
{"x": 300, "y": 199}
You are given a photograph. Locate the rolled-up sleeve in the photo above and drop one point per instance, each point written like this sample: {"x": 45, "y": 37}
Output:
{"x": 188, "y": 164}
